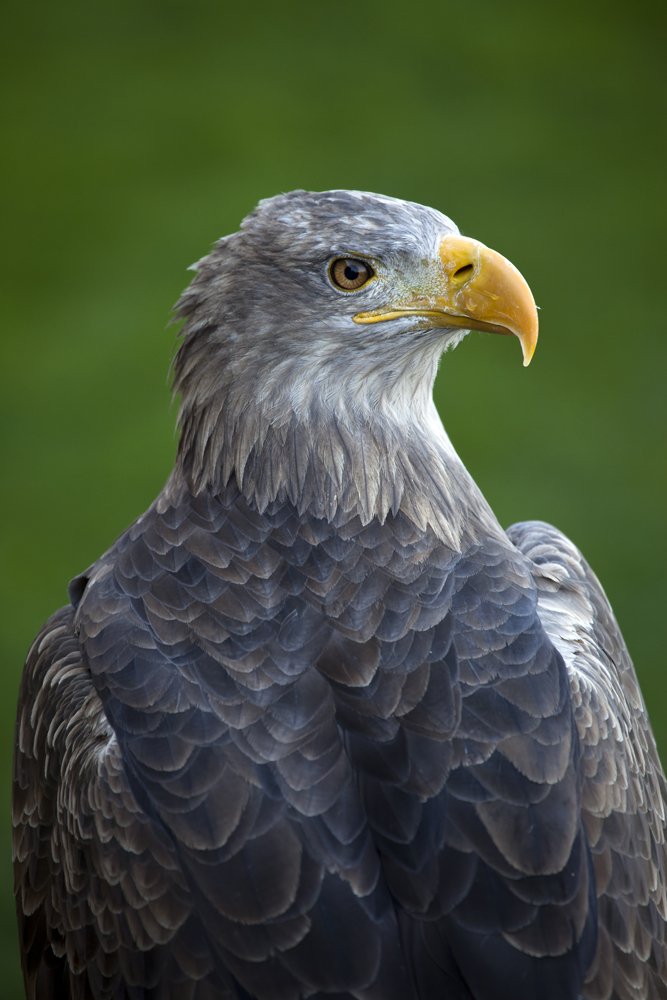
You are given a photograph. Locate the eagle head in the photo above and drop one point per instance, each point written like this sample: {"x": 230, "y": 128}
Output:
{"x": 331, "y": 309}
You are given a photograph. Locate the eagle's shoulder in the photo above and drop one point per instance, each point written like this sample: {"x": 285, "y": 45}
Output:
{"x": 623, "y": 784}
{"x": 100, "y": 890}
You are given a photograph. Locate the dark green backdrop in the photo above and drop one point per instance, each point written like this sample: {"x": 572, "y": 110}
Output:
{"x": 137, "y": 132}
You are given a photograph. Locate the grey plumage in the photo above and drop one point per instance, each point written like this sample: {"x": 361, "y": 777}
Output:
{"x": 315, "y": 725}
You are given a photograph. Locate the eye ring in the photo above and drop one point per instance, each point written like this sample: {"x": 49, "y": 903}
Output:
{"x": 350, "y": 273}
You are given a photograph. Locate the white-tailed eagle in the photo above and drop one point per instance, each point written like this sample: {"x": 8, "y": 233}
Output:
{"x": 316, "y": 725}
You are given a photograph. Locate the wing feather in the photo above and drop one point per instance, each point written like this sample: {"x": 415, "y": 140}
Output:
{"x": 100, "y": 890}
{"x": 623, "y": 785}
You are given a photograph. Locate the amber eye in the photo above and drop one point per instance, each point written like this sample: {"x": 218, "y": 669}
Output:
{"x": 348, "y": 273}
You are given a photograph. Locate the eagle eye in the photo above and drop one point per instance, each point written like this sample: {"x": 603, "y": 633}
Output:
{"x": 350, "y": 274}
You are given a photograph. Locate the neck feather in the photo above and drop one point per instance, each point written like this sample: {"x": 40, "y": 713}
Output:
{"x": 368, "y": 449}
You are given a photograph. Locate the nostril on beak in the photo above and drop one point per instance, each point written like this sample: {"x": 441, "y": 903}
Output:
{"x": 463, "y": 273}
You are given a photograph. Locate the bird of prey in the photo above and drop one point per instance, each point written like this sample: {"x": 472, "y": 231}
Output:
{"x": 316, "y": 726}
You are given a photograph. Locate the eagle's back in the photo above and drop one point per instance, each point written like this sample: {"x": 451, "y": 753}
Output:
{"x": 271, "y": 755}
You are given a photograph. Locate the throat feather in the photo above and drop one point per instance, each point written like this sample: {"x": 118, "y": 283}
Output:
{"x": 329, "y": 462}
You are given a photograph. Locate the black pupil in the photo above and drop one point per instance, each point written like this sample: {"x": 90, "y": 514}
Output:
{"x": 351, "y": 272}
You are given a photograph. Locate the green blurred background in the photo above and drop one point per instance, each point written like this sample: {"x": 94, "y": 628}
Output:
{"x": 135, "y": 132}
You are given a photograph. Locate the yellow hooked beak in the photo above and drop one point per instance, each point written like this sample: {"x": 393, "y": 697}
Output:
{"x": 477, "y": 289}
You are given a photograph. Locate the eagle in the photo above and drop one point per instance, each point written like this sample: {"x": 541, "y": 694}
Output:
{"x": 316, "y": 726}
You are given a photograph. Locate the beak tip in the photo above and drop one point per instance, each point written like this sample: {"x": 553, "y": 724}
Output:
{"x": 528, "y": 335}
{"x": 528, "y": 346}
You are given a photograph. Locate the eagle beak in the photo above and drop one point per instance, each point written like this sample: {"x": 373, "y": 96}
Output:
{"x": 475, "y": 288}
